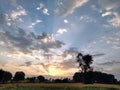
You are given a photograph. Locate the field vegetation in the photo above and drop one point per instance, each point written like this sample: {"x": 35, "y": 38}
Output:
{"x": 59, "y": 86}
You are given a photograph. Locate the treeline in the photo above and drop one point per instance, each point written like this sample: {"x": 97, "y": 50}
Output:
{"x": 88, "y": 77}
{"x": 94, "y": 77}
{"x": 19, "y": 77}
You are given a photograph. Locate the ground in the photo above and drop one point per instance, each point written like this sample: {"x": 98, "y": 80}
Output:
{"x": 58, "y": 86}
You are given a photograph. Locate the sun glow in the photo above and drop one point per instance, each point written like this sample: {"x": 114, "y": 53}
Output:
{"x": 54, "y": 71}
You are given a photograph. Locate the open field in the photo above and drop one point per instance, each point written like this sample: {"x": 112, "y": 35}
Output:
{"x": 59, "y": 86}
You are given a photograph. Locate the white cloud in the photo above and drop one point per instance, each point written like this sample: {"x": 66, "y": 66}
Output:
{"x": 109, "y": 4}
{"x": 106, "y": 14}
{"x": 45, "y": 11}
{"x": 69, "y": 6}
{"x": 115, "y": 21}
{"x": 61, "y": 31}
{"x": 87, "y": 18}
{"x": 94, "y": 8}
{"x": 15, "y": 15}
{"x": 38, "y": 21}
{"x": 65, "y": 21}
{"x": 40, "y": 6}
{"x": 34, "y": 23}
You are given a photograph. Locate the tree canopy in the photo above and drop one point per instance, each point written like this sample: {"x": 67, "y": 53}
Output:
{"x": 84, "y": 62}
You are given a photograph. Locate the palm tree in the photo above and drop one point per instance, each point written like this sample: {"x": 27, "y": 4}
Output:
{"x": 84, "y": 62}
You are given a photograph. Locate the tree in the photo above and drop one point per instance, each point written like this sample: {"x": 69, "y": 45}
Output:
{"x": 31, "y": 79}
{"x": 87, "y": 75}
{"x": 78, "y": 77}
{"x": 1, "y": 75}
{"x": 41, "y": 78}
{"x": 84, "y": 62}
{"x": 19, "y": 76}
{"x": 5, "y": 76}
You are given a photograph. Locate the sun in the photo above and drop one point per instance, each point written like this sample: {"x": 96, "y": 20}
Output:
{"x": 54, "y": 71}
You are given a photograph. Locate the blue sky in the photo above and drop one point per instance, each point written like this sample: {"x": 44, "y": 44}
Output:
{"x": 42, "y": 37}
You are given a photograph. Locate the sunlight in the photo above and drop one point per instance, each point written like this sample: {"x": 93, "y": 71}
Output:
{"x": 53, "y": 71}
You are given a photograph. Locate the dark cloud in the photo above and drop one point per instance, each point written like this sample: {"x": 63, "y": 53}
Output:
{"x": 48, "y": 42}
{"x": 28, "y": 63}
{"x": 17, "y": 38}
{"x": 109, "y": 63}
{"x": 98, "y": 54}
{"x": 68, "y": 64}
{"x": 4, "y": 18}
{"x": 51, "y": 45}
{"x": 72, "y": 51}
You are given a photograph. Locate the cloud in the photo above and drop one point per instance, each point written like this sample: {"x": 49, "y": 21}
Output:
{"x": 5, "y": 19}
{"x": 110, "y": 63}
{"x": 20, "y": 41}
{"x": 106, "y": 14}
{"x": 115, "y": 21}
{"x": 109, "y": 4}
{"x": 48, "y": 42}
{"x": 51, "y": 45}
{"x": 34, "y": 23}
{"x": 71, "y": 51}
{"x": 61, "y": 31}
{"x": 45, "y": 11}
{"x": 41, "y": 5}
{"x": 43, "y": 8}
{"x": 28, "y": 63}
{"x": 17, "y": 39}
{"x": 65, "y": 21}
{"x": 68, "y": 64}
{"x": 87, "y": 18}
{"x": 69, "y": 6}
{"x": 15, "y": 15}
{"x": 116, "y": 47}
{"x": 94, "y": 8}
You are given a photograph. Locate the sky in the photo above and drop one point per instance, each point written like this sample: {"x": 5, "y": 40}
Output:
{"x": 43, "y": 37}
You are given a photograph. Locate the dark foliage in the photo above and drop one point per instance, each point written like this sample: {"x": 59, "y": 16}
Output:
{"x": 41, "y": 78}
{"x": 94, "y": 77}
{"x": 84, "y": 62}
{"x": 66, "y": 80}
{"x": 57, "y": 81}
{"x": 31, "y": 79}
{"x": 5, "y": 76}
{"x": 19, "y": 76}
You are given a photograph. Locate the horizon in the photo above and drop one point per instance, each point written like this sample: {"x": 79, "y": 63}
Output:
{"x": 43, "y": 38}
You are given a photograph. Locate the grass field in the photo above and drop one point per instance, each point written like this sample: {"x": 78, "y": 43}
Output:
{"x": 59, "y": 86}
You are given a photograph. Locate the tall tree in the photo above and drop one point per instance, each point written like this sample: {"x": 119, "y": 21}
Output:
{"x": 84, "y": 62}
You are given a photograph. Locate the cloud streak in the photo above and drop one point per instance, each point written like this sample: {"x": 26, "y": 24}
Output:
{"x": 69, "y": 6}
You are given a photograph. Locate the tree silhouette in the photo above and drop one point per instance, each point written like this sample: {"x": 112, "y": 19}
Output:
{"x": 41, "y": 78}
{"x": 84, "y": 62}
{"x": 19, "y": 76}
{"x": 31, "y": 79}
{"x": 5, "y": 76}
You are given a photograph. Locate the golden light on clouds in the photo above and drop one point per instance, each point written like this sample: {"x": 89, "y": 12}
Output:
{"x": 54, "y": 71}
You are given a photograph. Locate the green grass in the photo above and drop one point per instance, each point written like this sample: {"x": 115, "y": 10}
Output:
{"x": 66, "y": 86}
